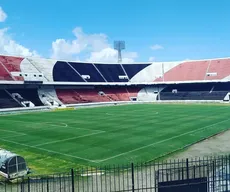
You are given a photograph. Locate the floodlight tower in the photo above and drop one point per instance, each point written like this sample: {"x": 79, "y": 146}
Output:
{"x": 119, "y": 46}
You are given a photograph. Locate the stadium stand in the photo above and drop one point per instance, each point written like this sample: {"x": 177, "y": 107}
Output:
{"x": 69, "y": 96}
{"x": 189, "y": 87}
{"x": 222, "y": 86}
{"x": 64, "y": 72}
{"x": 132, "y": 91}
{"x": 27, "y": 95}
{"x": 4, "y": 74}
{"x": 86, "y": 96}
{"x": 98, "y": 94}
{"x": 6, "y": 101}
{"x": 112, "y": 72}
{"x": 48, "y": 96}
{"x": 12, "y": 64}
{"x": 220, "y": 95}
{"x": 91, "y": 95}
{"x": 187, "y": 71}
{"x": 195, "y": 91}
{"x": 44, "y": 66}
{"x": 105, "y": 82}
{"x": 88, "y": 72}
{"x": 133, "y": 69}
{"x": 218, "y": 69}
{"x": 116, "y": 93}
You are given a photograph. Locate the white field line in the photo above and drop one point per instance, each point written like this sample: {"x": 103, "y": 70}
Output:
{"x": 31, "y": 126}
{"x": 47, "y": 150}
{"x": 72, "y": 138}
{"x": 13, "y": 136}
{"x": 54, "y": 124}
{"x": 15, "y": 132}
{"x": 111, "y": 114}
{"x": 46, "y": 123}
{"x": 162, "y": 141}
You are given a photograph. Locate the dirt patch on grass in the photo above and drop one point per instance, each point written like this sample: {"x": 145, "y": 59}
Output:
{"x": 216, "y": 145}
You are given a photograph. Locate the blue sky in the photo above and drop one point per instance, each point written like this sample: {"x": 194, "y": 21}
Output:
{"x": 175, "y": 29}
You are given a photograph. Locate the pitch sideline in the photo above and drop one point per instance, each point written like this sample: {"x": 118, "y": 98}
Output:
{"x": 49, "y": 151}
{"x": 162, "y": 141}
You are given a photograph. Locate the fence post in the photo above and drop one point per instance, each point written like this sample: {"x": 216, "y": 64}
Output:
{"x": 28, "y": 184}
{"x": 213, "y": 175}
{"x": 187, "y": 169}
{"x": 5, "y": 185}
{"x": 133, "y": 187}
{"x": 47, "y": 184}
{"x": 22, "y": 185}
{"x": 72, "y": 176}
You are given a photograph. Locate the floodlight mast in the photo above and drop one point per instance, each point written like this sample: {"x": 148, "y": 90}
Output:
{"x": 119, "y": 46}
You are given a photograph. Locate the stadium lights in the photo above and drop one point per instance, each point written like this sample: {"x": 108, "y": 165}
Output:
{"x": 119, "y": 46}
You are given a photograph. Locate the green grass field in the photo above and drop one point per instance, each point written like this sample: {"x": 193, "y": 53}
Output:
{"x": 57, "y": 141}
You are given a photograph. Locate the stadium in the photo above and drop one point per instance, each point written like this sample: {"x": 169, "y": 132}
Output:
{"x": 57, "y": 115}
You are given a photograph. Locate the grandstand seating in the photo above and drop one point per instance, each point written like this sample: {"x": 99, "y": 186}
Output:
{"x": 195, "y": 91}
{"x": 202, "y": 95}
{"x": 48, "y": 96}
{"x": 88, "y": 69}
{"x": 133, "y": 69}
{"x": 12, "y": 64}
{"x": 220, "y": 66}
{"x": 132, "y": 91}
{"x": 223, "y": 86}
{"x": 189, "y": 87}
{"x": 28, "y": 94}
{"x": 72, "y": 96}
{"x": 91, "y": 95}
{"x": 99, "y": 94}
{"x": 176, "y": 74}
{"x": 64, "y": 72}
{"x": 111, "y": 72}
{"x": 68, "y": 96}
{"x": 117, "y": 93}
{"x": 186, "y": 71}
{"x": 4, "y": 74}
{"x": 6, "y": 101}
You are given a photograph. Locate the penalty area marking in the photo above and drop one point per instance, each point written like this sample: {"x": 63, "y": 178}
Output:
{"x": 72, "y": 138}
{"x": 15, "y": 132}
{"x": 162, "y": 141}
{"x": 54, "y": 124}
{"x": 14, "y": 136}
{"x": 59, "y": 124}
{"x": 49, "y": 151}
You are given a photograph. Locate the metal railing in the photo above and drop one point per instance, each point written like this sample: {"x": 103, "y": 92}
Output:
{"x": 210, "y": 174}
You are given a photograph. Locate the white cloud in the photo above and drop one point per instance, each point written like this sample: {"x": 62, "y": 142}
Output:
{"x": 90, "y": 47}
{"x": 156, "y": 47}
{"x": 3, "y": 15}
{"x": 152, "y": 59}
{"x": 66, "y": 49}
{"x": 10, "y": 47}
{"x": 85, "y": 47}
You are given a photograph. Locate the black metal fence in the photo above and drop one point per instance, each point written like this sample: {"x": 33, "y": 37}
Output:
{"x": 211, "y": 174}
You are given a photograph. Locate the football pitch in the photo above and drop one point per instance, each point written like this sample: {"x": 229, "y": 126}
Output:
{"x": 57, "y": 141}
